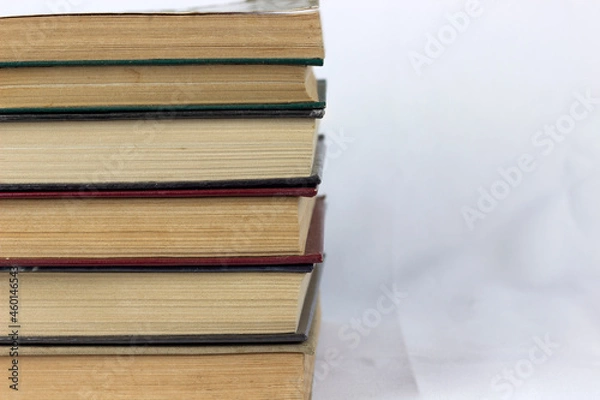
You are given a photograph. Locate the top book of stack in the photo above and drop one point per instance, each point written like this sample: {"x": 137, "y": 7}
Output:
{"x": 250, "y": 32}
{"x": 243, "y": 57}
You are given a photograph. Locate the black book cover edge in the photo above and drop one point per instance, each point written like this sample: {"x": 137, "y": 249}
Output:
{"x": 301, "y": 335}
{"x": 317, "y": 62}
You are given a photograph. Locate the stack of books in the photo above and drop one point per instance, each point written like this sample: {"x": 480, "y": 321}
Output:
{"x": 161, "y": 235}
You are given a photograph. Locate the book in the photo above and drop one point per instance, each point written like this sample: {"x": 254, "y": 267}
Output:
{"x": 104, "y": 184}
{"x": 162, "y": 372}
{"x": 313, "y": 253}
{"x": 194, "y": 305}
{"x": 141, "y": 153}
{"x": 154, "y": 227}
{"x": 155, "y": 87}
{"x": 258, "y": 31}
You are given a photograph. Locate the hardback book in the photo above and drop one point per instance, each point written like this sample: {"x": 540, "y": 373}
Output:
{"x": 194, "y": 305}
{"x": 155, "y": 87}
{"x": 99, "y": 227}
{"x": 235, "y": 32}
{"x": 313, "y": 250}
{"x": 159, "y": 153}
{"x": 288, "y": 159}
{"x": 162, "y": 372}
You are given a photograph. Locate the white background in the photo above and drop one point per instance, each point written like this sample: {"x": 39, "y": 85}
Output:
{"x": 476, "y": 300}
{"x": 408, "y": 151}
